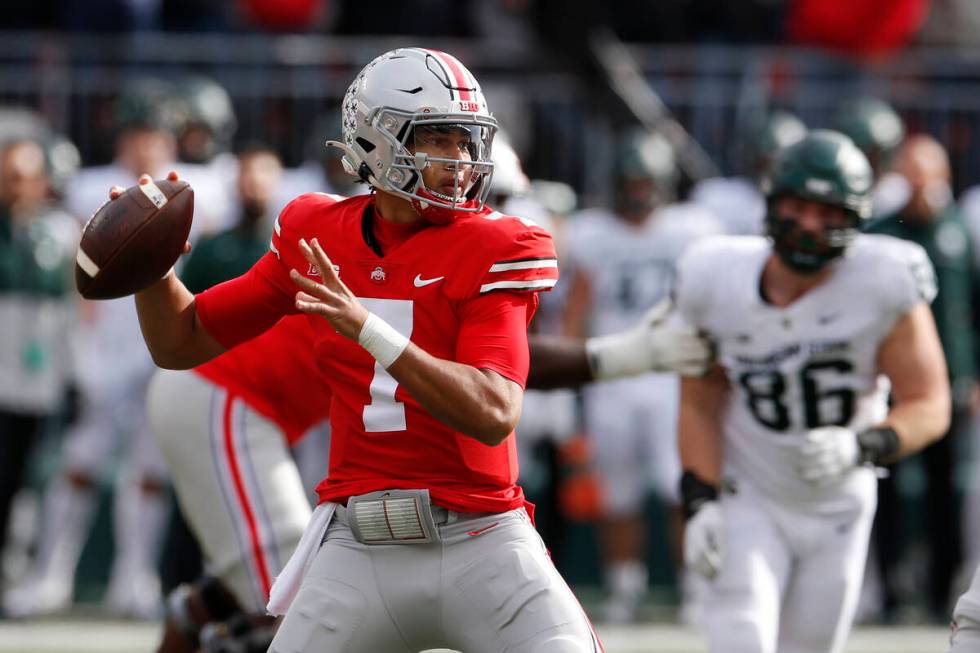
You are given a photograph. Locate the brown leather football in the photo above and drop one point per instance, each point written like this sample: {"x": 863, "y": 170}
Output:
{"x": 133, "y": 240}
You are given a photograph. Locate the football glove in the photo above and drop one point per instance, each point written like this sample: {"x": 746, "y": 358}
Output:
{"x": 703, "y": 544}
{"x": 828, "y": 453}
{"x": 653, "y": 345}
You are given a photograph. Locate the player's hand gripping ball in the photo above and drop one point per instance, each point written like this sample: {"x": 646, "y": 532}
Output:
{"x": 134, "y": 239}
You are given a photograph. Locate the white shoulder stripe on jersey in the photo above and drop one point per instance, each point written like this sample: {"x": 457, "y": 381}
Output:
{"x": 153, "y": 193}
{"x": 529, "y": 284}
{"x": 88, "y": 265}
{"x": 527, "y": 222}
{"x": 525, "y": 265}
{"x": 278, "y": 228}
{"x": 275, "y": 251}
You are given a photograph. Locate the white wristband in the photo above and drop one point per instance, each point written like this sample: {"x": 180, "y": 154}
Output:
{"x": 381, "y": 340}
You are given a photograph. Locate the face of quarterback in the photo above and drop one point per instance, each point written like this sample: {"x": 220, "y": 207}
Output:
{"x": 447, "y": 180}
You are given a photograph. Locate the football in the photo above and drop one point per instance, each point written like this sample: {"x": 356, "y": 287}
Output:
{"x": 133, "y": 240}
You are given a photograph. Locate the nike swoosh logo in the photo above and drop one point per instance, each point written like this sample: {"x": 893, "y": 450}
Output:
{"x": 481, "y": 531}
{"x": 419, "y": 281}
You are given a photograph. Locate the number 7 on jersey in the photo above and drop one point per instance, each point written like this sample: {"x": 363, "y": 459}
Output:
{"x": 384, "y": 413}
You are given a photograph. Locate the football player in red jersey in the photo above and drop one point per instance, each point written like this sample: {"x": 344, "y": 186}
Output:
{"x": 227, "y": 447}
{"x": 225, "y": 430}
{"x": 427, "y": 294}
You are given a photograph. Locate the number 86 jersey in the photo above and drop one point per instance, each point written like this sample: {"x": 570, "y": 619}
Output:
{"x": 803, "y": 366}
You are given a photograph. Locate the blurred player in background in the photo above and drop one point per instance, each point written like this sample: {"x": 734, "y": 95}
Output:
{"x": 236, "y": 482}
{"x": 223, "y": 510}
{"x": 736, "y": 201}
{"x": 207, "y": 123}
{"x": 931, "y": 218}
{"x": 204, "y": 131}
{"x": 321, "y": 170}
{"x": 622, "y": 263}
{"x": 113, "y": 369}
{"x": 878, "y": 131}
{"x": 227, "y": 254}
{"x": 778, "y": 441}
{"x": 37, "y": 309}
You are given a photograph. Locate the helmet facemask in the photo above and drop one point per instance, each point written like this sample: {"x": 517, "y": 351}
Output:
{"x": 457, "y": 158}
{"x": 407, "y": 136}
{"x": 825, "y": 168}
{"x": 403, "y": 95}
{"x": 803, "y": 251}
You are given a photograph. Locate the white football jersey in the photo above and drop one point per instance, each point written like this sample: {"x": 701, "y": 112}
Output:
{"x": 810, "y": 364}
{"x": 631, "y": 267}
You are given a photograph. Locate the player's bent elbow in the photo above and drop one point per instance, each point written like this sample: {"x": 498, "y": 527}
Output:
{"x": 169, "y": 361}
{"x": 175, "y": 359}
{"x": 495, "y": 425}
{"x": 491, "y": 438}
{"x": 495, "y": 414}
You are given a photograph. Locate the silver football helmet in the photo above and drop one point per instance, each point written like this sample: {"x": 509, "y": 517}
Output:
{"x": 401, "y": 94}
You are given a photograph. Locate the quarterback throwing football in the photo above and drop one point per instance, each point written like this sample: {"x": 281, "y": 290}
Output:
{"x": 419, "y": 297}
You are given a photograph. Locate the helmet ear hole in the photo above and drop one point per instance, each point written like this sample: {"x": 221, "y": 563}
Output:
{"x": 365, "y": 144}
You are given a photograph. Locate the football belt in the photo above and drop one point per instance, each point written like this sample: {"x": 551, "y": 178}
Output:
{"x": 394, "y": 517}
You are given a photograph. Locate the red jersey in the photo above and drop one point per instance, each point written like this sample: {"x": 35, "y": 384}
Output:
{"x": 277, "y": 375}
{"x": 464, "y": 291}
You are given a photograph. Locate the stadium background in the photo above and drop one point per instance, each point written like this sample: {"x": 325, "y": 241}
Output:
{"x": 714, "y": 64}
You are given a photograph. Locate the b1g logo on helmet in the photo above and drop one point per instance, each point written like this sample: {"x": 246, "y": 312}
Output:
{"x": 467, "y": 105}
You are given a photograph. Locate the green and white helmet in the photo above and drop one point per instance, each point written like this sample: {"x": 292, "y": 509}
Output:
{"x": 393, "y": 96}
{"x": 826, "y": 167}
{"x": 874, "y": 126}
{"x": 762, "y": 136}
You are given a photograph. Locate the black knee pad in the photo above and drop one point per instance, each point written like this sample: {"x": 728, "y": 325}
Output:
{"x": 218, "y": 600}
{"x": 192, "y": 605}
